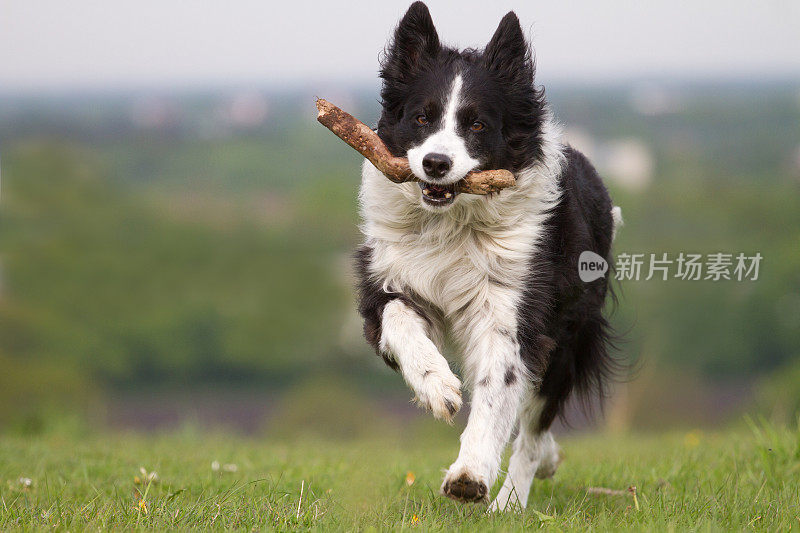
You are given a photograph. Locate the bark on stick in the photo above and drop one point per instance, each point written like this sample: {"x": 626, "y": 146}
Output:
{"x": 367, "y": 143}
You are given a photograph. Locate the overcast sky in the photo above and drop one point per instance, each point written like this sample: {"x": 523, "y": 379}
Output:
{"x": 55, "y": 44}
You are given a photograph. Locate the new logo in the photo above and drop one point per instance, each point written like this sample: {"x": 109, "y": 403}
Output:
{"x": 591, "y": 266}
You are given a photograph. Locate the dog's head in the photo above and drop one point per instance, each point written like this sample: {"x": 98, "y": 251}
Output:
{"x": 453, "y": 111}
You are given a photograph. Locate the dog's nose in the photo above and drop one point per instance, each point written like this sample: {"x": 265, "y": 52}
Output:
{"x": 436, "y": 165}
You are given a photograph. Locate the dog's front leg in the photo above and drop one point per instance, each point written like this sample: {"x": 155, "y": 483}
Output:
{"x": 498, "y": 382}
{"x": 404, "y": 339}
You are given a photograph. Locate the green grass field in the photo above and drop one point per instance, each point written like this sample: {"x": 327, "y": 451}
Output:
{"x": 734, "y": 480}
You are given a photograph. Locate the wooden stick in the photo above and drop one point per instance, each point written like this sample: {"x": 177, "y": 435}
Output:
{"x": 367, "y": 143}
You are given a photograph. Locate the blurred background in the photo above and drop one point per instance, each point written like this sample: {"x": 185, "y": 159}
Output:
{"x": 175, "y": 228}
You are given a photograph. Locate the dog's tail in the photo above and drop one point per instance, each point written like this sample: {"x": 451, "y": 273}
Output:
{"x": 616, "y": 217}
{"x": 598, "y": 362}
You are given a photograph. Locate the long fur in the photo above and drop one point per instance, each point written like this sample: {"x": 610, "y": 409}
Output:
{"x": 497, "y": 274}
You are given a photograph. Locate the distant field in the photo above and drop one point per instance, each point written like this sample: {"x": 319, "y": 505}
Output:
{"x": 190, "y": 254}
{"x": 735, "y": 480}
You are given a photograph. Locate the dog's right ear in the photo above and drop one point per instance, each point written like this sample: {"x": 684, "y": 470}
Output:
{"x": 415, "y": 40}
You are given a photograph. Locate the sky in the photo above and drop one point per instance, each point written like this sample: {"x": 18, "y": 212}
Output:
{"x": 101, "y": 44}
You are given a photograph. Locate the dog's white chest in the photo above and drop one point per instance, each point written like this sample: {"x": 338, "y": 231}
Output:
{"x": 453, "y": 269}
{"x": 480, "y": 251}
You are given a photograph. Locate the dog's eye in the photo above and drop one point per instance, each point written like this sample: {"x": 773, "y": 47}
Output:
{"x": 477, "y": 126}
{"x": 422, "y": 120}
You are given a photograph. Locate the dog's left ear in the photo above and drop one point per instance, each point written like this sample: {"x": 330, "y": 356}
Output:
{"x": 508, "y": 53}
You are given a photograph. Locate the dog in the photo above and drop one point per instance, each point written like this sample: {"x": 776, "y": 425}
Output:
{"x": 494, "y": 276}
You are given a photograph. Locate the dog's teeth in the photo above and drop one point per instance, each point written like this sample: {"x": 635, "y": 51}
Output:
{"x": 448, "y": 194}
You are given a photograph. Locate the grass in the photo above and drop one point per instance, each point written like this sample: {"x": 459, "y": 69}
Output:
{"x": 745, "y": 478}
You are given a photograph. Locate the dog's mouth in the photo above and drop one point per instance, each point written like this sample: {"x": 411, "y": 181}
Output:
{"x": 438, "y": 195}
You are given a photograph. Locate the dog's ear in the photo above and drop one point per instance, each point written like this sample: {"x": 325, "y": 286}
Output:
{"x": 415, "y": 40}
{"x": 508, "y": 53}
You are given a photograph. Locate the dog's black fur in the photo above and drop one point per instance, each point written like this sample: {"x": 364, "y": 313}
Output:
{"x": 562, "y": 333}
{"x": 499, "y": 83}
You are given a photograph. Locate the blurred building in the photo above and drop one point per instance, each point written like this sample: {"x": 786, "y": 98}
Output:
{"x": 244, "y": 110}
{"x": 652, "y": 99}
{"x": 154, "y": 113}
{"x": 628, "y": 161}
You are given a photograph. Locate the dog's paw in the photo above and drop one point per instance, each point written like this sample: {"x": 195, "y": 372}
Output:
{"x": 439, "y": 391}
{"x": 464, "y": 486}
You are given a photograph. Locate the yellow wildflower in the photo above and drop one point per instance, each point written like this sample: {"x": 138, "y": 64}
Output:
{"x": 692, "y": 439}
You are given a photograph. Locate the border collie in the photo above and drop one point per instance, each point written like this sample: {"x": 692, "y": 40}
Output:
{"x": 494, "y": 276}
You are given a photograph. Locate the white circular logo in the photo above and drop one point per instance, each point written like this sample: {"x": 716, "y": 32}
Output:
{"x": 591, "y": 266}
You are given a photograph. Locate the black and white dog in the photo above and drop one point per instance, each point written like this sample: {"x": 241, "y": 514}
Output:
{"x": 495, "y": 275}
